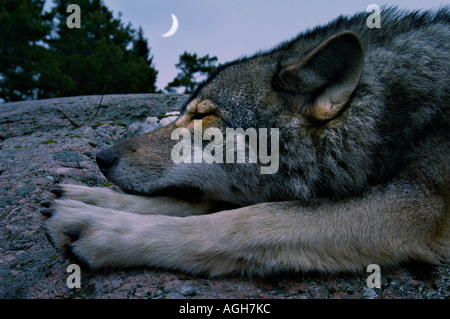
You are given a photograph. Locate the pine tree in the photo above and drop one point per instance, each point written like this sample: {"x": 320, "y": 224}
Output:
{"x": 23, "y": 27}
{"x": 192, "y": 68}
{"x": 103, "y": 52}
{"x": 145, "y": 72}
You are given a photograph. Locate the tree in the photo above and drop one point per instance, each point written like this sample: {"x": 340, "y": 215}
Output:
{"x": 192, "y": 68}
{"x": 24, "y": 25}
{"x": 103, "y": 52}
{"x": 143, "y": 71}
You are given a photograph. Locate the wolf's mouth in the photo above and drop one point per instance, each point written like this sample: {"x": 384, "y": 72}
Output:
{"x": 190, "y": 194}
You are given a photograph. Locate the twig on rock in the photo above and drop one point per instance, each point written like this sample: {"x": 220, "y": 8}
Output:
{"x": 98, "y": 107}
{"x": 77, "y": 125}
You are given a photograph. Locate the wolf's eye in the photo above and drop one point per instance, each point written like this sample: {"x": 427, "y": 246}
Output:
{"x": 198, "y": 110}
{"x": 199, "y": 116}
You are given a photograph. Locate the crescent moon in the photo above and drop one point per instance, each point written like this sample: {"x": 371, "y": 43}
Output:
{"x": 173, "y": 29}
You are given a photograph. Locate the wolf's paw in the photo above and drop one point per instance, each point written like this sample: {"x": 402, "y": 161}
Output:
{"x": 85, "y": 194}
{"x": 89, "y": 232}
{"x": 96, "y": 196}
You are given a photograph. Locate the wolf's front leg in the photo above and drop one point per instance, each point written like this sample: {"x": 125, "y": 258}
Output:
{"x": 388, "y": 225}
{"x": 104, "y": 237}
{"x": 100, "y": 236}
{"x": 107, "y": 198}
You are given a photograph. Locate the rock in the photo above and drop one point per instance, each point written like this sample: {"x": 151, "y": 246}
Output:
{"x": 133, "y": 128}
{"x": 141, "y": 128}
{"x": 25, "y": 190}
{"x": 174, "y": 113}
{"x": 167, "y": 120}
{"x": 31, "y": 268}
{"x": 151, "y": 120}
{"x": 147, "y": 127}
{"x": 174, "y": 295}
{"x": 67, "y": 156}
{"x": 188, "y": 290}
{"x": 369, "y": 293}
{"x": 152, "y": 123}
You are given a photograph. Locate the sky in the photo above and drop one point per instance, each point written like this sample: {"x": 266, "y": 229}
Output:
{"x": 229, "y": 29}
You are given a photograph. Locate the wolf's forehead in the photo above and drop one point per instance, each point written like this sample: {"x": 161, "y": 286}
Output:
{"x": 243, "y": 80}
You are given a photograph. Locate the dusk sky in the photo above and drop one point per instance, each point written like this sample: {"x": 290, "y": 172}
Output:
{"x": 230, "y": 29}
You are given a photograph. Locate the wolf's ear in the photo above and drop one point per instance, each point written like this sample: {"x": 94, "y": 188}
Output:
{"x": 327, "y": 76}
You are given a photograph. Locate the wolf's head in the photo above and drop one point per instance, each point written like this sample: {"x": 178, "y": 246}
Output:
{"x": 302, "y": 90}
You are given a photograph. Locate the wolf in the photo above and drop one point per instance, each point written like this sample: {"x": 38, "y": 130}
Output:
{"x": 364, "y": 162}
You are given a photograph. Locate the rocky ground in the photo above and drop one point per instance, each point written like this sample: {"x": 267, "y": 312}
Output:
{"x": 39, "y": 148}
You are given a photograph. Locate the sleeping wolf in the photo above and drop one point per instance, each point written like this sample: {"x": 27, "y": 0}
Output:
{"x": 363, "y": 174}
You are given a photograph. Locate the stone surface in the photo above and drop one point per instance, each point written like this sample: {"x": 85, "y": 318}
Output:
{"x": 40, "y": 148}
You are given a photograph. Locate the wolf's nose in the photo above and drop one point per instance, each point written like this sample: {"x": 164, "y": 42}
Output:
{"x": 106, "y": 159}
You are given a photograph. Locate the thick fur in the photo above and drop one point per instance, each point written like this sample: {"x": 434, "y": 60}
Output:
{"x": 363, "y": 177}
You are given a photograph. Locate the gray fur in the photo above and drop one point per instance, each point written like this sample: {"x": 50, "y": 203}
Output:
{"x": 364, "y": 161}
{"x": 402, "y": 94}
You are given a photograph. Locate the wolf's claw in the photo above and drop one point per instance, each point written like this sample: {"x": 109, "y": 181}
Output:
{"x": 46, "y": 203}
{"x": 73, "y": 233}
{"x": 57, "y": 190}
{"x": 47, "y": 212}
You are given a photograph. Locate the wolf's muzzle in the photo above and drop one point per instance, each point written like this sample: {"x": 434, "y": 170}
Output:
{"x": 106, "y": 160}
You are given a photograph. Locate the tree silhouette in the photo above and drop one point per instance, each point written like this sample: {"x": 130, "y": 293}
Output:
{"x": 23, "y": 26}
{"x": 41, "y": 57}
{"x": 193, "y": 69}
{"x": 102, "y": 52}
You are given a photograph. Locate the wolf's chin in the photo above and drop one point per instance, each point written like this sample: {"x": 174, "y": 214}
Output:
{"x": 190, "y": 194}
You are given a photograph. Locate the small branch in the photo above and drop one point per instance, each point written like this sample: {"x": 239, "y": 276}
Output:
{"x": 98, "y": 107}
{"x": 70, "y": 120}
{"x": 77, "y": 125}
